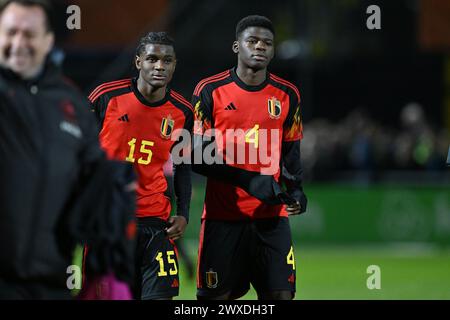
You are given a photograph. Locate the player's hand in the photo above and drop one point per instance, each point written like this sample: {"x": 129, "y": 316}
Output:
{"x": 266, "y": 189}
{"x": 300, "y": 203}
{"x": 177, "y": 227}
{"x": 294, "y": 209}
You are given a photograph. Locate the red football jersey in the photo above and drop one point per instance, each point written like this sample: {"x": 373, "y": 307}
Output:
{"x": 265, "y": 115}
{"x": 140, "y": 132}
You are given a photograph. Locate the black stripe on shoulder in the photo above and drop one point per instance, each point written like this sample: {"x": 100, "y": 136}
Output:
{"x": 177, "y": 96}
{"x": 288, "y": 89}
{"x": 107, "y": 96}
{"x": 201, "y": 84}
{"x": 293, "y": 99}
{"x": 102, "y": 102}
{"x": 186, "y": 108}
{"x": 211, "y": 86}
{"x": 108, "y": 86}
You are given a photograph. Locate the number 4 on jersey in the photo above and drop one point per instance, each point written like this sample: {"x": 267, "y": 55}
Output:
{"x": 252, "y": 136}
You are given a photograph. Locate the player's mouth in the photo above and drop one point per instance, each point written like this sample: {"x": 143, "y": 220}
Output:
{"x": 259, "y": 57}
{"x": 159, "y": 77}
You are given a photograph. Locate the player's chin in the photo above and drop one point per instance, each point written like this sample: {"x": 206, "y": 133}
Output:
{"x": 258, "y": 65}
{"x": 158, "y": 83}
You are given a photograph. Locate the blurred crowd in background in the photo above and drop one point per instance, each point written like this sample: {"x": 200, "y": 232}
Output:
{"x": 362, "y": 144}
{"x": 374, "y": 101}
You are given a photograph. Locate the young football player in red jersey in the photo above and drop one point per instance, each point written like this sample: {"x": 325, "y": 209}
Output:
{"x": 245, "y": 236}
{"x": 139, "y": 119}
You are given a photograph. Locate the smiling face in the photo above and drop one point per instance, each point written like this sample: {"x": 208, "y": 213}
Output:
{"x": 255, "y": 47}
{"x": 156, "y": 64}
{"x": 25, "y": 40}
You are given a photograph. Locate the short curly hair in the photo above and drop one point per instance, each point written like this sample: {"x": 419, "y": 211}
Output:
{"x": 154, "y": 38}
{"x": 254, "y": 21}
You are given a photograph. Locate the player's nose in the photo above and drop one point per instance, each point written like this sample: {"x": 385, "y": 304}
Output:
{"x": 159, "y": 65}
{"x": 260, "y": 45}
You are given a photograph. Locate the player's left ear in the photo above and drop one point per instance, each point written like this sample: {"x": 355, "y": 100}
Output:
{"x": 235, "y": 47}
{"x": 137, "y": 62}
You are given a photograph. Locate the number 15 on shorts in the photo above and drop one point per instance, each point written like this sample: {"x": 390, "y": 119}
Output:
{"x": 172, "y": 264}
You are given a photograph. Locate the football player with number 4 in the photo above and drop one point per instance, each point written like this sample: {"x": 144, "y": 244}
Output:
{"x": 245, "y": 235}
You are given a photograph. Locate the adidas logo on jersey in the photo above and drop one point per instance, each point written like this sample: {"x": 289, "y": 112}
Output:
{"x": 124, "y": 118}
{"x": 231, "y": 106}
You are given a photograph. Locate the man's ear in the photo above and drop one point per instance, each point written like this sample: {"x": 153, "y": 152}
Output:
{"x": 235, "y": 47}
{"x": 137, "y": 62}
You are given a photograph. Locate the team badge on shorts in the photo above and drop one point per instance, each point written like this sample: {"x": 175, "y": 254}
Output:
{"x": 211, "y": 279}
{"x": 167, "y": 125}
{"x": 274, "y": 108}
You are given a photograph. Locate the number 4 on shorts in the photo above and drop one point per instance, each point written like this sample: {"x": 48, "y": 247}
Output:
{"x": 290, "y": 258}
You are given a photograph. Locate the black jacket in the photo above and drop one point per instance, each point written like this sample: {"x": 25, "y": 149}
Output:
{"x": 48, "y": 149}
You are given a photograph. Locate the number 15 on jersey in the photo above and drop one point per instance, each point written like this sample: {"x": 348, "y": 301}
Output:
{"x": 144, "y": 150}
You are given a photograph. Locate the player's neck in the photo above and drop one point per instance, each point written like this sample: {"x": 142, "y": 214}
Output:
{"x": 251, "y": 77}
{"x": 150, "y": 93}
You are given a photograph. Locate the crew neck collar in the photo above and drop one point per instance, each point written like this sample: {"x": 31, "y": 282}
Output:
{"x": 144, "y": 101}
{"x": 245, "y": 86}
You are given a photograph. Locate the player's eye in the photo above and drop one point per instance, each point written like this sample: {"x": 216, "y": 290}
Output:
{"x": 168, "y": 61}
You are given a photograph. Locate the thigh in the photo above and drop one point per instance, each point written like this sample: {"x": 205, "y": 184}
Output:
{"x": 274, "y": 267}
{"x": 157, "y": 265}
{"x": 223, "y": 266}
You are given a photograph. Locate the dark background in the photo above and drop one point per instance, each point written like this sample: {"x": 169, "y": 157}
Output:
{"x": 343, "y": 69}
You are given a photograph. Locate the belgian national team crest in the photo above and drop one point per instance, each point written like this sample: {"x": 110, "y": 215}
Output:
{"x": 274, "y": 108}
{"x": 211, "y": 279}
{"x": 167, "y": 125}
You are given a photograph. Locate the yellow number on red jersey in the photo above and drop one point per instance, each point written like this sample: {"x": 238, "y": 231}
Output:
{"x": 144, "y": 150}
{"x": 252, "y": 136}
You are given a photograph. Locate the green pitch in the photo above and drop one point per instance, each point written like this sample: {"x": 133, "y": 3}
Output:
{"x": 330, "y": 272}
{"x": 341, "y": 273}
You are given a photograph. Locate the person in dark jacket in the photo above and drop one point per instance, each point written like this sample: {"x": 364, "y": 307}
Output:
{"x": 48, "y": 151}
